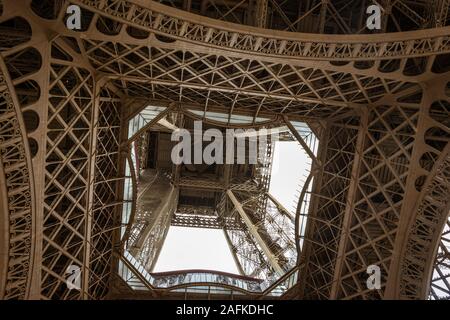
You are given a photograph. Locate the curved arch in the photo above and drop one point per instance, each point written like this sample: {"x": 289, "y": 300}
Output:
{"x": 133, "y": 197}
{"x": 211, "y": 284}
{"x": 424, "y": 234}
{"x": 18, "y": 179}
{"x": 439, "y": 281}
{"x": 246, "y": 40}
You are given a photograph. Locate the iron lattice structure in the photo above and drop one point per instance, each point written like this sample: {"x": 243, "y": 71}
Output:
{"x": 74, "y": 136}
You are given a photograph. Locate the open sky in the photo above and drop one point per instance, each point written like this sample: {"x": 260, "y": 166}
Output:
{"x": 194, "y": 248}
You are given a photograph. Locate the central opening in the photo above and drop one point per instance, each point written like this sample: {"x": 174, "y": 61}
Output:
{"x": 198, "y": 220}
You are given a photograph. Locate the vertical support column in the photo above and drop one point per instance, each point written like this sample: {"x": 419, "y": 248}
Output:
{"x": 4, "y": 231}
{"x": 351, "y": 196}
{"x": 16, "y": 194}
{"x": 177, "y": 167}
{"x": 328, "y": 207}
{"x": 233, "y": 253}
{"x": 254, "y": 231}
{"x": 122, "y": 150}
{"x": 227, "y": 172}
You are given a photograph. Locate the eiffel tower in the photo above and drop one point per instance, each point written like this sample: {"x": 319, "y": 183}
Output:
{"x": 92, "y": 91}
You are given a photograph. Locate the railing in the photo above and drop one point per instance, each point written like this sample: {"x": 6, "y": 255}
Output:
{"x": 134, "y": 273}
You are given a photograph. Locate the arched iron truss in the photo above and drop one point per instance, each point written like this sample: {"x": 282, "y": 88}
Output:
{"x": 379, "y": 194}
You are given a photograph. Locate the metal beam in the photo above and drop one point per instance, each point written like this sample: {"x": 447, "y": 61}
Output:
{"x": 280, "y": 206}
{"x": 351, "y": 196}
{"x": 233, "y": 253}
{"x": 254, "y": 231}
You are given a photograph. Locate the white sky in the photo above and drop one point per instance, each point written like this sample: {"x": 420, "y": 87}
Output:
{"x": 194, "y": 248}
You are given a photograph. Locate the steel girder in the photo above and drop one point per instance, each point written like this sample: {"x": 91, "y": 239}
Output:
{"x": 384, "y": 169}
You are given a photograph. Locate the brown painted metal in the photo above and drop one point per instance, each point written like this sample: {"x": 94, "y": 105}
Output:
{"x": 381, "y": 184}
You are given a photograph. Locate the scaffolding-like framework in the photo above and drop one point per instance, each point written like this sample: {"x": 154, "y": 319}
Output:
{"x": 379, "y": 103}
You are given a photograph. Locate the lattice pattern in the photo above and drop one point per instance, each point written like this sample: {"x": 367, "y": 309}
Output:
{"x": 15, "y": 174}
{"x": 431, "y": 209}
{"x": 247, "y": 254}
{"x": 268, "y": 223}
{"x": 158, "y": 18}
{"x": 243, "y": 71}
{"x": 202, "y": 217}
{"x": 67, "y": 178}
{"x": 280, "y": 226}
{"x": 250, "y": 256}
{"x": 383, "y": 170}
